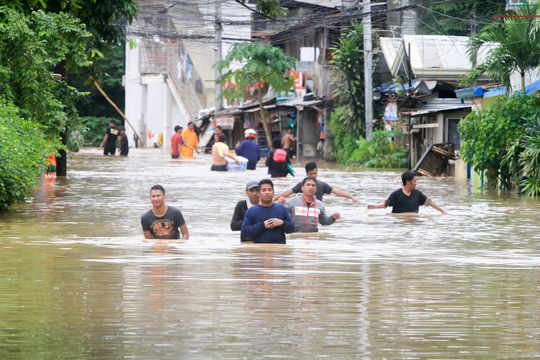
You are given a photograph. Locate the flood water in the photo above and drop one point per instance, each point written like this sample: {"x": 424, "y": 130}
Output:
{"x": 79, "y": 281}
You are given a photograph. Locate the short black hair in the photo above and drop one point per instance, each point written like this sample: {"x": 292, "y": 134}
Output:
{"x": 309, "y": 178}
{"x": 112, "y": 121}
{"x": 289, "y": 128}
{"x": 266, "y": 181}
{"x": 121, "y": 128}
{"x": 310, "y": 166}
{"x": 177, "y": 127}
{"x": 222, "y": 138}
{"x": 158, "y": 187}
{"x": 219, "y": 127}
{"x": 407, "y": 176}
{"x": 189, "y": 123}
{"x": 276, "y": 143}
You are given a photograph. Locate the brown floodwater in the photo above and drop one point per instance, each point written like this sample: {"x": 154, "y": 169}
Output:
{"x": 79, "y": 281}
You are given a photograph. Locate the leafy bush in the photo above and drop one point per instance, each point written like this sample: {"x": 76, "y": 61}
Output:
{"x": 379, "y": 151}
{"x": 23, "y": 150}
{"x": 94, "y": 129}
{"x": 523, "y": 158}
{"x": 344, "y": 141}
{"x": 487, "y": 135}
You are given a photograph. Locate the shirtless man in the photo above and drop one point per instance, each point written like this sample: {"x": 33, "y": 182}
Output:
{"x": 287, "y": 141}
{"x": 219, "y": 152}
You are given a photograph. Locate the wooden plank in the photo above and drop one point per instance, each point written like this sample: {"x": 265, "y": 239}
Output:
{"x": 425, "y": 126}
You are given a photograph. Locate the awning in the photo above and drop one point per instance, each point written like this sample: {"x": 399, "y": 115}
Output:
{"x": 433, "y": 111}
{"x": 258, "y": 109}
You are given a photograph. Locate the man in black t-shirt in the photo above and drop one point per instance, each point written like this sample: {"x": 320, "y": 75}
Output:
{"x": 162, "y": 222}
{"x": 407, "y": 199}
{"x": 322, "y": 187}
{"x": 110, "y": 139}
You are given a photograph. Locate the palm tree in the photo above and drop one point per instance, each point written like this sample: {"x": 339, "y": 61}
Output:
{"x": 513, "y": 45}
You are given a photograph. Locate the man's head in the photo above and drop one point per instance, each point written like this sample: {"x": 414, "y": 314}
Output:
{"x": 219, "y": 130}
{"x": 252, "y": 192}
{"x": 266, "y": 191}
{"x": 409, "y": 179}
{"x": 311, "y": 170}
{"x": 309, "y": 186}
{"x": 276, "y": 143}
{"x": 112, "y": 123}
{"x": 157, "y": 195}
{"x": 122, "y": 130}
{"x": 289, "y": 130}
{"x": 222, "y": 138}
{"x": 191, "y": 125}
{"x": 178, "y": 129}
{"x": 250, "y": 134}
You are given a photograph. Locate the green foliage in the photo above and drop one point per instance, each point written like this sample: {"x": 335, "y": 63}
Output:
{"x": 487, "y": 135}
{"x": 29, "y": 48}
{"x": 268, "y": 8}
{"x": 433, "y": 23}
{"x": 262, "y": 63}
{"x": 23, "y": 150}
{"x": 348, "y": 59}
{"x": 105, "y": 21}
{"x": 518, "y": 49}
{"x": 344, "y": 140}
{"x": 523, "y": 157}
{"x": 94, "y": 128}
{"x": 94, "y": 104}
{"x": 379, "y": 151}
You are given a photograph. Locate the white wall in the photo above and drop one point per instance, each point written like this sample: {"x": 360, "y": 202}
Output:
{"x": 133, "y": 92}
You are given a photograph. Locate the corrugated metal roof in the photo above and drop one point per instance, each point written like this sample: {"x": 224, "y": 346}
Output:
{"x": 390, "y": 48}
{"x": 433, "y": 111}
{"x": 433, "y": 56}
{"x": 444, "y": 103}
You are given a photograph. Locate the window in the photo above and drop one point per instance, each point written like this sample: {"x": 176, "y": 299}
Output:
{"x": 453, "y": 133}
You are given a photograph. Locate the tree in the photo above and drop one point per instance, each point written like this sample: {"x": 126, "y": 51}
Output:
{"x": 94, "y": 104}
{"x": 105, "y": 22}
{"x": 262, "y": 64}
{"x": 443, "y": 18}
{"x": 488, "y": 134}
{"x": 348, "y": 59}
{"x": 513, "y": 45}
{"x": 267, "y": 8}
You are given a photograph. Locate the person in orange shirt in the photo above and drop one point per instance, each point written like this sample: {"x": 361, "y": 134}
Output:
{"x": 190, "y": 139}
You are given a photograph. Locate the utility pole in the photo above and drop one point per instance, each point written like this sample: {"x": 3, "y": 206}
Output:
{"x": 368, "y": 58}
{"x": 217, "y": 48}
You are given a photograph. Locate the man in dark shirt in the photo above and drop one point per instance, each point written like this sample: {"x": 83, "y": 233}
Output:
{"x": 110, "y": 139}
{"x": 277, "y": 168}
{"x": 252, "y": 192}
{"x": 249, "y": 149}
{"x": 267, "y": 222}
{"x": 162, "y": 222}
{"x": 322, "y": 187}
{"x": 407, "y": 199}
{"x": 124, "y": 145}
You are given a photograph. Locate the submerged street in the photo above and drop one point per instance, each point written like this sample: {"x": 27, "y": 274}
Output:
{"x": 80, "y": 281}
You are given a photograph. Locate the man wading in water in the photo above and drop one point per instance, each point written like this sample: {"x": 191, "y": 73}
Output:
{"x": 219, "y": 152}
{"x": 322, "y": 187}
{"x": 162, "y": 222}
{"x": 306, "y": 212}
{"x": 252, "y": 192}
{"x": 407, "y": 199}
{"x": 267, "y": 222}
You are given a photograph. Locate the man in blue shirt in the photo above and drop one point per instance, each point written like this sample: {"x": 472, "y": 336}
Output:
{"x": 267, "y": 222}
{"x": 249, "y": 149}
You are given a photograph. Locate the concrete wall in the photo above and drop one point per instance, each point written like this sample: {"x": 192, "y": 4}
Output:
{"x": 133, "y": 92}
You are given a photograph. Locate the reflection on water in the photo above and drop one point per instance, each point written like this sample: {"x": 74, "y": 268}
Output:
{"x": 79, "y": 281}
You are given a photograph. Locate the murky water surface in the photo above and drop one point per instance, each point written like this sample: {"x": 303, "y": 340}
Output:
{"x": 78, "y": 281}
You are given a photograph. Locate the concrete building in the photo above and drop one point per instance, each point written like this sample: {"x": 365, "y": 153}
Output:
{"x": 169, "y": 77}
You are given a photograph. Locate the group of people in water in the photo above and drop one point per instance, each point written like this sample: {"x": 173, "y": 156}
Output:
{"x": 265, "y": 218}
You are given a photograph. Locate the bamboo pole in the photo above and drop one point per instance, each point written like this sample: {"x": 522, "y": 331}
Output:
{"x": 119, "y": 111}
